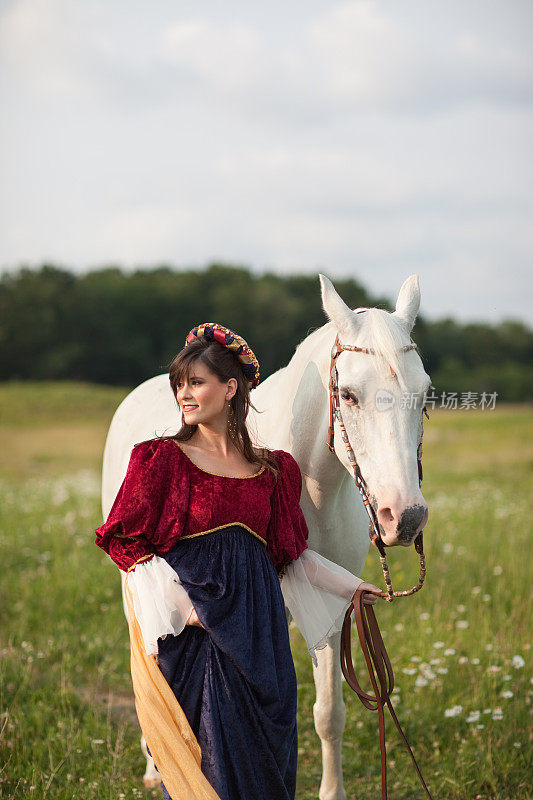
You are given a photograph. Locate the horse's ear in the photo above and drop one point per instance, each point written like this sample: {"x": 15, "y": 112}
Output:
{"x": 336, "y": 309}
{"x": 408, "y": 303}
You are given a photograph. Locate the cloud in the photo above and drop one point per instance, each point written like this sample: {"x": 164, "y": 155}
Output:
{"x": 41, "y": 43}
{"x": 371, "y": 137}
{"x": 226, "y": 57}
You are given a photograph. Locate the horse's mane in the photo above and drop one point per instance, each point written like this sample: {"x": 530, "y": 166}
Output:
{"x": 379, "y": 331}
{"x": 384, "y": 334}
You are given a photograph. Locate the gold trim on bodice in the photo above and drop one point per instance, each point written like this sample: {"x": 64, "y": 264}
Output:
{"x": 220, "y": 527}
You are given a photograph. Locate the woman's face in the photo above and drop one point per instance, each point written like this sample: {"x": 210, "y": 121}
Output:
{"x": 202, "y": 397}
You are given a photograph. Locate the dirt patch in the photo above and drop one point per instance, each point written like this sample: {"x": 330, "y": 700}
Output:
{"x": 120, "y": 705}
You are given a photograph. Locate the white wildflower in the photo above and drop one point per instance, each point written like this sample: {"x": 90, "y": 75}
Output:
{"x": 453, "y": 712}
{"x": 438, "y": 645}
{"x": 518, "y": 662}
{"x": 507, "y": 694}
{"x": 476, "y": 589}
{"x": 497, "y": 570}
{"x": 462, "y": 624}
{"x": 427, "y": 672}
{"x": 449, "y": 651}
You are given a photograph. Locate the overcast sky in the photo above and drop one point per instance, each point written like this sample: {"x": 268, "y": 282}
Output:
{"x": 367, "y": 139}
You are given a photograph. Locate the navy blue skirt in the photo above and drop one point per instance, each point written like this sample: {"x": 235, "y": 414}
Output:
{"x": 235, "y": 680}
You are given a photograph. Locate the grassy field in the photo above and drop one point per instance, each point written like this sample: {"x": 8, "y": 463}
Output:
{"x": 460, "y": 649}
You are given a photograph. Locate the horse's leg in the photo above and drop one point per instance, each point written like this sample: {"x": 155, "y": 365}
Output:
{"x": 151, "y": 777}
{"x": 330, "y": 718}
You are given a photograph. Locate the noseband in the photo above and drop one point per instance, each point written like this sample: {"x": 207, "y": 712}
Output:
{"x": 373, "y": 527}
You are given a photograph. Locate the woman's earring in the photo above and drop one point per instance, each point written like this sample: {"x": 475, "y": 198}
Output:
{"x": 232, "y": 424}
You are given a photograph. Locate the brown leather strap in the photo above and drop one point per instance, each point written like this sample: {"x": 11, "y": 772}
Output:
{"x": 380, "y": 672}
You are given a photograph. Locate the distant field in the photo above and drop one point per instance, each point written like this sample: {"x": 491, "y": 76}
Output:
{"x": 460, "y": 649}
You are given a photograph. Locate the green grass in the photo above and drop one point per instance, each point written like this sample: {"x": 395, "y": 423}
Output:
{"x": 67, "y": 722}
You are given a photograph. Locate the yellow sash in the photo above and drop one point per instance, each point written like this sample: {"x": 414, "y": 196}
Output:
{"x": 169, "y": 736}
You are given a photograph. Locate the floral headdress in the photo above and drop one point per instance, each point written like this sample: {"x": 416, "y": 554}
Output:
{"x": 214, "y": 332}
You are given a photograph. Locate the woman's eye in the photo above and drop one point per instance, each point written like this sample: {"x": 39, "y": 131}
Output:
{"x": 348, "y": 397}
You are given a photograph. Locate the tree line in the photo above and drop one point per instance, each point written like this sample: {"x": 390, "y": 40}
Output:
{"x": 114, "y": 327}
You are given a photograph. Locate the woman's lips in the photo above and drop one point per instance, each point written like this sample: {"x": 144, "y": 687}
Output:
{"x": 189, "y": 408}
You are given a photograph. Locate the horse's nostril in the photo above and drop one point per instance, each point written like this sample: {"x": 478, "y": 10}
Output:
{"x": 413, "y": 519}
{"x": 385, "y": 516}
{"x": 402, "y": 523}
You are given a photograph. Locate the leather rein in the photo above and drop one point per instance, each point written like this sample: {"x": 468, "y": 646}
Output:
{"x": 376, "y": 657}
{"x": 380, "y": 672}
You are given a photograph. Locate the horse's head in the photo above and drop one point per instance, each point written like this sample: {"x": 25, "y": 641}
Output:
{"x": 381, "y": 400}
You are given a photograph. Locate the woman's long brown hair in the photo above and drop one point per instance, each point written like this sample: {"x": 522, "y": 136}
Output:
{"x": 225, "y": 365}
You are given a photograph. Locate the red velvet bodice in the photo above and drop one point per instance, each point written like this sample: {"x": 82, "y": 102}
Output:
{"x": 165, "y": 496}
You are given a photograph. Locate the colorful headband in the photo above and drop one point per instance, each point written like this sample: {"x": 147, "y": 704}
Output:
{"x": 214, "y": 332}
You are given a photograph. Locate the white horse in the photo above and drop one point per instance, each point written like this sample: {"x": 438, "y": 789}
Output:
{"x": 293, "y": 408}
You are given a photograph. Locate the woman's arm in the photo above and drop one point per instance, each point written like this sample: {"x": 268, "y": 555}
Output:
{"x": 160, "y": 601}
{"x": 317, "y": 593}
{"x": 326, "y": 575}
{"x": 127, "y": 532}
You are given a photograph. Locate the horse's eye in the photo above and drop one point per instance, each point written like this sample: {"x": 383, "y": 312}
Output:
{"x": 349, "y": 398}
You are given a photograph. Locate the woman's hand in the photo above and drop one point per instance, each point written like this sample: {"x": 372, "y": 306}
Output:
{"x": 375, "y": 593}
{"x": 192, "y": 619}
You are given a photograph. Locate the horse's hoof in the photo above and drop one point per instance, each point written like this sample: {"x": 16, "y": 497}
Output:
{"x": 151, "y": 783}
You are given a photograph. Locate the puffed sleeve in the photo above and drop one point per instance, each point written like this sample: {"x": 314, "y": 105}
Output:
{"x": 127, "y": 534}
{"x": 287, "y": 530}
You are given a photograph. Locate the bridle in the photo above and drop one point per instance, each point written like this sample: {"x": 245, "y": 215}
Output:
{"x": 373, "y": 527}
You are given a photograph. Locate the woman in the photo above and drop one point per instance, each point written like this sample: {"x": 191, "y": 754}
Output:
{"x": 206, "y": 525}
